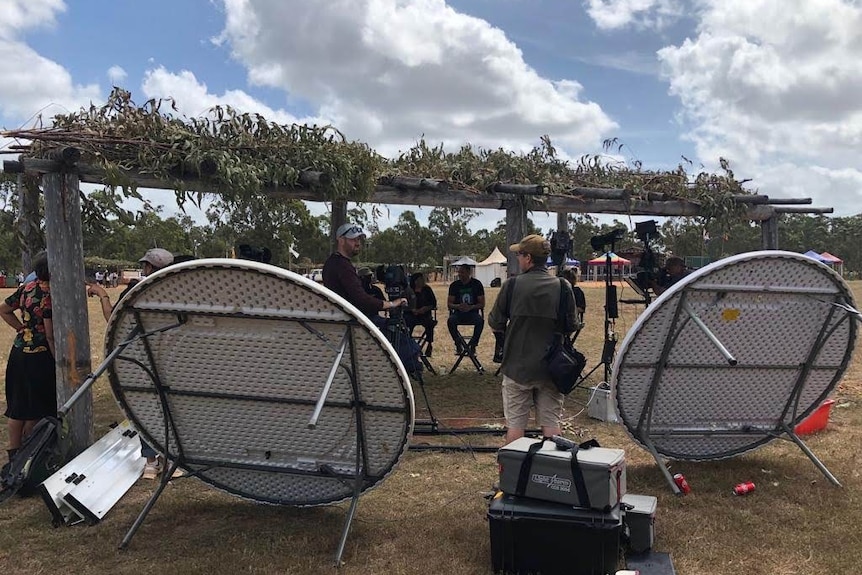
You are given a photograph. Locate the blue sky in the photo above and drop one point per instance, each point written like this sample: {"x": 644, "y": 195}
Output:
{"x": 771, "y": 85}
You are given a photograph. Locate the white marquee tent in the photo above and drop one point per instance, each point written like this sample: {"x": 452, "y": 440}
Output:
{"x": 494, "y": 266}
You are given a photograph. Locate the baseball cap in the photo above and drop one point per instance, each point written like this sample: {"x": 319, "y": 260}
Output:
{"x": 158, "y": 258}
{"x": 349, "y": 231}
{"x": 534, "y": 244}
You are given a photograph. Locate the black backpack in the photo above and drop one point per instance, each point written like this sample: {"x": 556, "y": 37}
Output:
{"x": 39, "y": 457}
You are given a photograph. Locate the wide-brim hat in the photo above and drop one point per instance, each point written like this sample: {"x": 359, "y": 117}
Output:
{"x": 534, "y": 244}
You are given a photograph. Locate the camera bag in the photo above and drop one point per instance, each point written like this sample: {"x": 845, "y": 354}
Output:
{"x": 583, "y": 476}
{"x": 564, "y": 362}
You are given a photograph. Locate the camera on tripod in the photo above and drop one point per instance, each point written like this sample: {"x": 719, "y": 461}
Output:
{"x": 648, "y": 270}
{"x": 396, "y": 284}
{"x": 561, "y": 245}
{"x": 598, "y": 243}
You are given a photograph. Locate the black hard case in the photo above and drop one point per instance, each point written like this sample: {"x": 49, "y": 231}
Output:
{"x": 533, "y": 536}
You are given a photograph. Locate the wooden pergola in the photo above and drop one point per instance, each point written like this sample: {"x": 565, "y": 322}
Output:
{"x": 62, "y": 175}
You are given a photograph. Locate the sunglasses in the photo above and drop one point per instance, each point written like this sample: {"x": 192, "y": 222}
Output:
{"x": 353, "y": 230}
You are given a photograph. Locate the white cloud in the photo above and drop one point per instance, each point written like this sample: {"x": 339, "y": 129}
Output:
{"x": 825, "y": 186}
{"x": 773, "y": 85}
{"x": 32, "y": 83}
{"x": 616, "y": 14}
{"x": 389, "y": 71}
{"x": 117, "y": 75}
{"x": 23, "y": 14}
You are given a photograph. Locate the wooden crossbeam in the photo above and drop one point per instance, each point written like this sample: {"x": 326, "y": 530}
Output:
{"x": 401, "y": 190}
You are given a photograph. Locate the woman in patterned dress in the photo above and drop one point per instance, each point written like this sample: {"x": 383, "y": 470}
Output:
{"x": 31, "y": 388}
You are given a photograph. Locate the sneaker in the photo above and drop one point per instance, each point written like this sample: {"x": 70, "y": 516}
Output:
{"x": 153, "y": 469}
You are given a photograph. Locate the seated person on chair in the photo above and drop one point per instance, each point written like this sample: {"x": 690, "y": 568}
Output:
{"x": 673, "y": 271}
{"x": 465, "y": 302}
{"x": 422, "y": 313}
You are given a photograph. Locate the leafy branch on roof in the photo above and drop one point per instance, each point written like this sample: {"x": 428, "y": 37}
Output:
{"x": 243, "y": 154}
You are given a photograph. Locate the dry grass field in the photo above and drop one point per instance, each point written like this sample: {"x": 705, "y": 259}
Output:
{"x": 429, "y": 516}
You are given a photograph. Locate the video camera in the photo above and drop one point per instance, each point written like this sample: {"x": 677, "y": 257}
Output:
{"x": 598, "y": 243}
{"x": 255, "y": 254}
{"x": 648, "y": 270}
{"x": 561, "y": 245}
{"x": 396, "y": 284}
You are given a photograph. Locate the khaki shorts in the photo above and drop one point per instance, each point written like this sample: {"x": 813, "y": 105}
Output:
{"x": 519, "y": 398}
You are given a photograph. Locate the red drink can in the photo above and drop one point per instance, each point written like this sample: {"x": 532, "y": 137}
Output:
{"x": 683, "y": 485}
{"x": 743, "y": 488}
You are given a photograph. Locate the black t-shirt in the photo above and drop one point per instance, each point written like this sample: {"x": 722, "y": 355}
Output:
{"x": 468, "y": 293}
{"x": 580, "y": 298}
{"x": 425, "y": 298}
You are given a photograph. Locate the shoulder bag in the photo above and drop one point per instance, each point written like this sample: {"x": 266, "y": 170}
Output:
{"x": 565, "y": 363}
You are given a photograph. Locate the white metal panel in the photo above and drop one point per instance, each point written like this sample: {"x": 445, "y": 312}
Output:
{"x": 87, "y": 487}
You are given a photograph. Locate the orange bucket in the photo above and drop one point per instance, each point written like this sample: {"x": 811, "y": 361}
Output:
{"x": 817, "y": 420}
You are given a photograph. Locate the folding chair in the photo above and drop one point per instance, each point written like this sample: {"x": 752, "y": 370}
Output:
{"x": 422, "y": 340}
{"x": 463, "y": 349}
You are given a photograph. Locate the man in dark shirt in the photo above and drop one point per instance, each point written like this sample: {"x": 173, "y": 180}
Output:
{"x": 422, "y": 314}
{"x": 580, "y": 298}
{"x": 340, "y": 276}
{"x": 465, "y": 302}
{"x": 674, "y": 270}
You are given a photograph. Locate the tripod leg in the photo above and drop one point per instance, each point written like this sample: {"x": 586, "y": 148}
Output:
{"x": 433, "y": 419}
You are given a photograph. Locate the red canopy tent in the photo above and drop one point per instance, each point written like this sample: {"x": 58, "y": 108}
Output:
{"x": 834, "y": 261}
{"x": 596, "y": 266}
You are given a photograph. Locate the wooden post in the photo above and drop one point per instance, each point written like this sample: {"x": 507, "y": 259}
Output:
{"x": 516, "y": 229}
{"x": 563, "y": 226}
{"x": 69, "y": 301}
{"x": 769, "y": 233}
{"x": 339, "y": 216}
{"x": 562, "y": 222}
{"x": 28, "y": 216}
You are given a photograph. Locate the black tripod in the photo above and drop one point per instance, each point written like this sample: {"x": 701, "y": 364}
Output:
{"x": 611, "y": 314}
{"x": 398, "y": 334}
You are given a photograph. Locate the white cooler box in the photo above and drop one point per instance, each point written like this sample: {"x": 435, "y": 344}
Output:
{"x": 549, "y": 475}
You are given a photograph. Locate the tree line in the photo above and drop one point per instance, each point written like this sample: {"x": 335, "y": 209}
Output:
{"x": 111, "y": 234}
